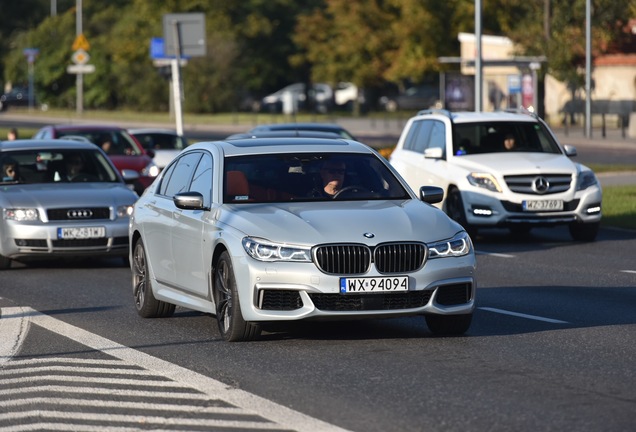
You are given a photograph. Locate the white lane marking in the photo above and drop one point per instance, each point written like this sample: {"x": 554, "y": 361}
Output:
{"x": 283, "y": 416}
{"x": 74, "y": 390}
{"x": 122, "y": 404}
{"x": 629, "y": 271}
{"x": 137, "y": 419}
{"x": 498, "y": 255}
{"x": 517, "y": 314}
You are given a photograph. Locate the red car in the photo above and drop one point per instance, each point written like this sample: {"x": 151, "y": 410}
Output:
{"x": 122, "y": 148}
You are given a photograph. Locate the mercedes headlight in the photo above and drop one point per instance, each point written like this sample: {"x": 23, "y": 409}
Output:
{"x": 457, "y": 246}
{"x": 586, "y": 179}
{"x": 264, "y": 250}
{"x": 484, "y": 180}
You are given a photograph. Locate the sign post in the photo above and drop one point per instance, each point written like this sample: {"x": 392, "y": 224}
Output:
{"x": 184, "y": 35}
{"x": 31, "y": 54}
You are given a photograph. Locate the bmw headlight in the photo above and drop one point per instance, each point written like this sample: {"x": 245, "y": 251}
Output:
{"x": 151, "y": 170}
{"x": 264, "y": 250}
{"x": 21, "y": 215}
{"x": 459, "y": 245}
{"x": 124, "y": 211}
{"x": 586, "y": 179}
{"x": 484, "y": 180}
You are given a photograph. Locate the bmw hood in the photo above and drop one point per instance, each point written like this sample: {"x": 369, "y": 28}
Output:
{"x": 67, "y": 195}
{"x": 340, "y": 222}
{"x": 517, "y": 163}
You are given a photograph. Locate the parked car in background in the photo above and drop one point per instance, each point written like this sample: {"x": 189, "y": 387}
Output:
{"x": 165, "y": 143}
{"x": 16, "y": 97}
{"x": 413, "y": 98}
{"x": 499, "y": 170}
{"x": 294, "y": 97}
{"x": 122, "y": 148}
{"x": 333, "y": 128}
{"x": 264, "y": 235}
{"x": 61, "y": 199}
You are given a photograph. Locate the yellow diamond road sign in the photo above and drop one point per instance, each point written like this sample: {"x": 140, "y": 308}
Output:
{"x": 81, "y": 43}
{"x": 80, "y": 57}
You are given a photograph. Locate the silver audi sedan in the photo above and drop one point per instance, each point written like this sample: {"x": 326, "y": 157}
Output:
{"x": 61, "y": 199}
{"x": 281, "y": 229}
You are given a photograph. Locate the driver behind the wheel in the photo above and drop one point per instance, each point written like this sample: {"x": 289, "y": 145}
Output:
{"x": 332, "y": 174}
{"x": 74, "y": 166}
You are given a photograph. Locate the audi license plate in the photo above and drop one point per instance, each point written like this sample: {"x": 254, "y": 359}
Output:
{"x": 81, "y": 233}
{"x": 374, "y": 284}
{"x": 543, "y": 205}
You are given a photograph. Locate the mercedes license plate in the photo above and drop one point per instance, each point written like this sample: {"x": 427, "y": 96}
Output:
{"x": 374, "y": 284}
{"x": 81, "y": 233}
{"x": 543, "y": 205}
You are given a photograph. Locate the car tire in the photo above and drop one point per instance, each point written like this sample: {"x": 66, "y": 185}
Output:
{"x": 232, "y": 326}
{"x": 585, "y": 232}
{"x": 5, "y": 263}
{"x": 448, "y": 325}
{"x": 145, "y": 302}
{"x": 455, "y": 210}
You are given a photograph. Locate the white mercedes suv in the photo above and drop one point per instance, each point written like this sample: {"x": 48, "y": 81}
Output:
{"x": 499, "y": 169}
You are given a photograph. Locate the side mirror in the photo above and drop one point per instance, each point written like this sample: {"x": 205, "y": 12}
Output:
{"x": 150, "y": 153}
{"x": 431, "y": 194}
{"x": 570, "y": 151}
{"x": 189, "y": 201}
{"x": 434, "y": 153}
{"x": 129, "y": 175}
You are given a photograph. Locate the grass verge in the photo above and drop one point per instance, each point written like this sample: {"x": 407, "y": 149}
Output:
{"x": 619, "y": 206}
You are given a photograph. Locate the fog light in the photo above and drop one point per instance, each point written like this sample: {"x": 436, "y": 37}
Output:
{"x": 484, "y": 212}
{"x": 593, "y": 209}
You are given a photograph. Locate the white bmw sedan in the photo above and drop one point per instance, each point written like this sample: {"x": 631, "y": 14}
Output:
{"x": 280, "y": 229}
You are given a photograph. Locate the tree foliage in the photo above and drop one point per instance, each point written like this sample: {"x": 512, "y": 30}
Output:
{"x": 258, "y": 46}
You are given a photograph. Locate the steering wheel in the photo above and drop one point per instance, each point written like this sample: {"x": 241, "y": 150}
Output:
{"x": 348, "y": 189}
{"x": 83, "y": 177}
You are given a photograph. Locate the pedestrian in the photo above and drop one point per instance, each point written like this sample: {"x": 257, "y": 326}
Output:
{"x": 13, "y": 134}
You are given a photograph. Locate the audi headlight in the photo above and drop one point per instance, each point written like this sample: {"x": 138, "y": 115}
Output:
{"x": 484, "y": 180}
{"x": 586, "y": 179}
{"x": 124, "y": 211}
{"x": 151, "y": 170}
{"x": 459, "y": 245}
{"x": 264, "y": 250}
{"x": 21, "y": 215}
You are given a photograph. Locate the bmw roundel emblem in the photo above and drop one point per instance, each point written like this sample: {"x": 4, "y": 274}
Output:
{"x": 368, "y": 235}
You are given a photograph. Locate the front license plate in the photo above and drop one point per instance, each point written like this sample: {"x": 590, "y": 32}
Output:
{"x": 81, "y": 233}
{"x": 543, "y": 205}
{"x": 374, "y": 284}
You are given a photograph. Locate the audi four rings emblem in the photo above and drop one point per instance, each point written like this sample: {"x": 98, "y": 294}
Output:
{"x": 540, "y": 185}
{"x": 79, "y": 214}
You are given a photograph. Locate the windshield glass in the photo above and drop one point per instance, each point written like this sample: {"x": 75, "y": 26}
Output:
{"x": 161, "y": 141}
{"x": 500, "y": 137}
{"x": 53, "y": 166}
{"x": 309, "y": 177}
{"x": 113, "y": 142}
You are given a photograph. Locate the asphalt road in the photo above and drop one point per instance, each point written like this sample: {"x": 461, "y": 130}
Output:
{"x": 549, "y": 349}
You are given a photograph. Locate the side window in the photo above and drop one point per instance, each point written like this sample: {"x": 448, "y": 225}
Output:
{"x": 202, "y": 180}
{"x": 411, "y": 137}
{"x": 166, "y": 174}
{"x": 180, "y": 177}
{"x": 421, "y": 140}
{"x": 438, "y": 135}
